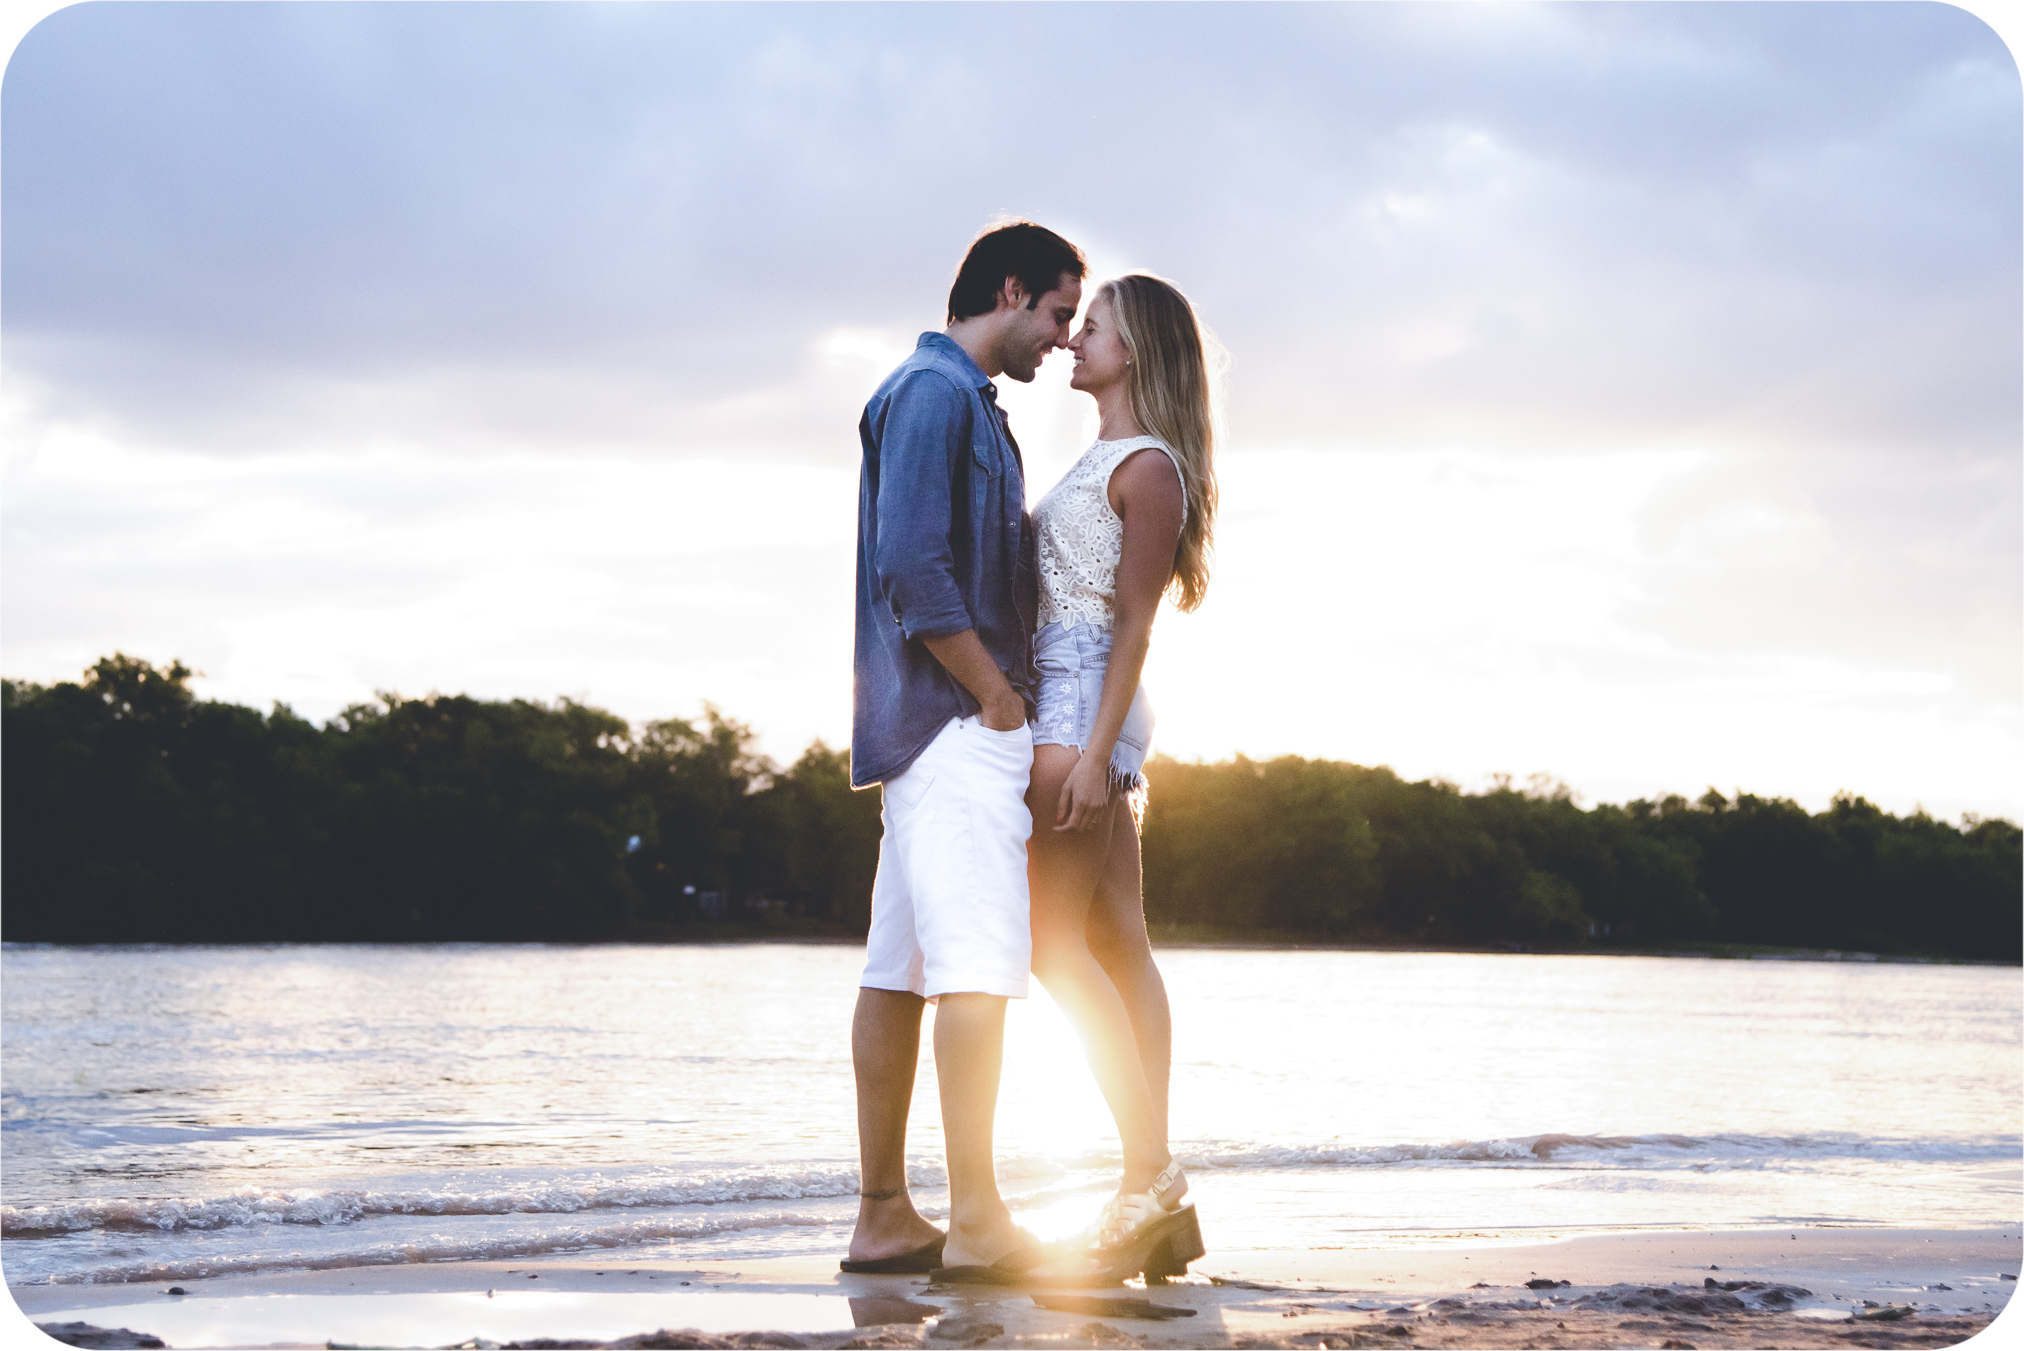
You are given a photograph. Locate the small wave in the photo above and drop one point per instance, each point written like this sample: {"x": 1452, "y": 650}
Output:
{"x": 251, "y": 1206}
{"x": 1630, "y": 1151}
{"x": 435, "y": 1248}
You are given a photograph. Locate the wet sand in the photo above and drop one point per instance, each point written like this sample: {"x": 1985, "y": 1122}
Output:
{"x": 1773, "y": 1289}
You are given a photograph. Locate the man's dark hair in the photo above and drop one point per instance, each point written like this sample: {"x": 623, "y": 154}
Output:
{"x": 1034, "y": 254}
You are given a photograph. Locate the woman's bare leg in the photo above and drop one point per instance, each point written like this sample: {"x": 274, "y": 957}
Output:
{"x": 1065, "y": 868}
{"x": 1116, "y": 932}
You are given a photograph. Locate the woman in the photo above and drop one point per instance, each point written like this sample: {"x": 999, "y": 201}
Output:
{"x": 1131, "y": 521}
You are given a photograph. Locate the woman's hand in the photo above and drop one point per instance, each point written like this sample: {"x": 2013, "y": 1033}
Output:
{"x": 1084, "y": 795}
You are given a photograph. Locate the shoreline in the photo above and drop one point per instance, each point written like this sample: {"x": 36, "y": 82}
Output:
{"x": 1737, "y": 952}
{"x": 1763, "y": 1288}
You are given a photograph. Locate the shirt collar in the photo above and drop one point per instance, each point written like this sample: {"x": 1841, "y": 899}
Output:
{"x": 953, "y": 350}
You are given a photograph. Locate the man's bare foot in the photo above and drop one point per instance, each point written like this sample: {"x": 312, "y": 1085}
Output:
{"x": 888, "y": 1226}
{"x": 975, "y": 1246}
{"x": 980, "y": 1243}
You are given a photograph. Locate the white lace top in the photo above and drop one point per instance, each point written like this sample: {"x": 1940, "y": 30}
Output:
{"x": 1081, "y": 538}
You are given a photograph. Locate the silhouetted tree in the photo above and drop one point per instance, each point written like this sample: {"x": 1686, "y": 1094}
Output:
{"x": 136, "y": 812}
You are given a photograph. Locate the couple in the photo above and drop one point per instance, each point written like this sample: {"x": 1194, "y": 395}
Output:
{"x": 1006, "y": 754}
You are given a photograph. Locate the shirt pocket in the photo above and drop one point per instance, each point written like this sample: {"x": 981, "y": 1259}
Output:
{"x": 987, "y": 454}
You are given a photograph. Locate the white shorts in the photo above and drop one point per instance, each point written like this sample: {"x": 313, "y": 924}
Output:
{"x": 949, "y": 906}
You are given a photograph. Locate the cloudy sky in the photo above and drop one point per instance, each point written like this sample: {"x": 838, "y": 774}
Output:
{"x": 1624, "y": 393}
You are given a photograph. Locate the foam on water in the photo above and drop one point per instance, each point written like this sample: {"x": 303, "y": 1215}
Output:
{"x": 1603, "y": 1151}
{"x": 250, "y": 1206}
{"x": 385, "y": 1244}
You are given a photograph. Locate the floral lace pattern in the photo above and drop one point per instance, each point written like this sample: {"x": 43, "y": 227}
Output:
{"x": 1081, "y": 538}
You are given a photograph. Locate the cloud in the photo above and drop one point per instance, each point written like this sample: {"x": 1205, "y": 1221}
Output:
{"x": 240, "y": 226}
{"x": 1595, "y": 366}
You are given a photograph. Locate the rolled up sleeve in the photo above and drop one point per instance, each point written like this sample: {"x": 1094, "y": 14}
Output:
{"x": 926, "y": 423}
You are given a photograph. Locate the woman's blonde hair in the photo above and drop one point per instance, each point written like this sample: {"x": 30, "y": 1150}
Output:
{"x": 1174, "y": 366}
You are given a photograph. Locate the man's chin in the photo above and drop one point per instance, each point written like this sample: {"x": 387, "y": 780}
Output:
{"x": 1023, "y": 376}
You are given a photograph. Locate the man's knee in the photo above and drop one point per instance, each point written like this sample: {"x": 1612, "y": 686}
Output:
{"x": 969, "y": 1013}
{"x": 969, "y": 1004}
{"x": 885, "y": 1016}
{"x": 877, "y": 1003}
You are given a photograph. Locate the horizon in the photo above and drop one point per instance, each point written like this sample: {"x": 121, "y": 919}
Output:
{"x": 1626, "y": 395}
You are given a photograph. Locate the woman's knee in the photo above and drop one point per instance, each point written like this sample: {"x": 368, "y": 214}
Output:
{"x": 1116, "y": 934}
{"x": 1065, "y": 967}
{"x": 1055, "y": 947}
{"x": 1125, "y": 964}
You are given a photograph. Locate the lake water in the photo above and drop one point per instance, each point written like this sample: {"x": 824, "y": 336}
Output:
{"x": 177, "y": 1112}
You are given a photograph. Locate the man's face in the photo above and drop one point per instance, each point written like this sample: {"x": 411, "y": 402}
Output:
{"x": 1037, "y": 330}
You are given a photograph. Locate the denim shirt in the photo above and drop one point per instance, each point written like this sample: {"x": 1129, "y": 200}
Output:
{"x": 943, "y": 544}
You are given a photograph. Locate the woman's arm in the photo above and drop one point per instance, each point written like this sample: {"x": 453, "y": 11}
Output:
{"x": 1145, "y": 491}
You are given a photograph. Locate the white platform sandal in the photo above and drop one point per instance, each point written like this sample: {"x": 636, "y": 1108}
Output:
{"x": 1154, "y": 1231}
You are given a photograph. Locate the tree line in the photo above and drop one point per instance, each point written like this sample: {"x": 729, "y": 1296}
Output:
{"x": 135, "y": 812}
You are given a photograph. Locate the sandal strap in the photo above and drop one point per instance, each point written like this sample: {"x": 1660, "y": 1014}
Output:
{"x": 1114, "y": 1223}
{"x": 1126, "y": 1212}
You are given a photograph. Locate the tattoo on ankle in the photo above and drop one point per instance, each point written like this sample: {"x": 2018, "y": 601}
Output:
{"x": 888, "y": 1194}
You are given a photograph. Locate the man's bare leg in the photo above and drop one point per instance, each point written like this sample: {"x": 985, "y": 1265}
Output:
{"x": 885, "y": 1046}
{"x": 969, "y": 1051}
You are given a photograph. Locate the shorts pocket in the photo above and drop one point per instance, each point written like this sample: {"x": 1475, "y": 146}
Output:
{"x": 1048, "y": 665}
{"x": 908, "y": 789}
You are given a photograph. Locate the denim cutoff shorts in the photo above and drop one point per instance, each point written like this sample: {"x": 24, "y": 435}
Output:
{"x": 1070, "y": 661}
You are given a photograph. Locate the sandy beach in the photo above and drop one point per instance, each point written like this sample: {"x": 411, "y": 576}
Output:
{"x": 1804, "y": 1287}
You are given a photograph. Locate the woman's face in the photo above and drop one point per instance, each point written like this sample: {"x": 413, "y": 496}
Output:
{"x": 1099, "y": 351}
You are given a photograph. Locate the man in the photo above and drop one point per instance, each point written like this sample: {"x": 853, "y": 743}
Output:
{"x": 943, "y": 688}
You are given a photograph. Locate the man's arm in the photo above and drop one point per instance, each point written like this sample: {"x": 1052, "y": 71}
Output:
{"x": 922, "y": 432}
{"x": 963, "y": 656}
